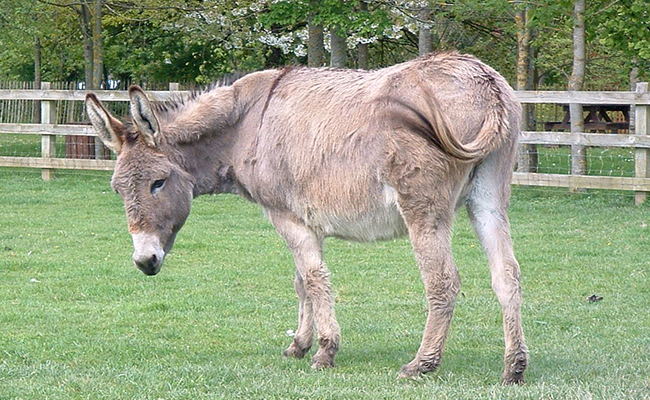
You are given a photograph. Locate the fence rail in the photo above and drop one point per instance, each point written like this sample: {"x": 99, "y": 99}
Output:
{"x": 48, "y": 129}
{"x": 640, "y": 97}
{"x": 638, "y": 141}
{"x": 74, "y": 95}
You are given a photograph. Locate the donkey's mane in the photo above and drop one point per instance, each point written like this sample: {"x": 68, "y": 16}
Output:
{"x": 168, "y": 109}
{"x": 177, "y": 101}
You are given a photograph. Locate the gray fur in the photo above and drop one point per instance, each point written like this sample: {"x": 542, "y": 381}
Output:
{"x": 355, "y": 154}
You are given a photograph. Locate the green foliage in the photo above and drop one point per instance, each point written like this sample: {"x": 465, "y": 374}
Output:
{"x": 290, "y": 15}
{"x": 201, "y": 40}
{"x": 21, "y": 23}
{"x": 15, "y": 43}
{"x": 625, "y": 26}
{"x": 77, "y": 321}
{"x": 187, "y": 45}
{"x": 346, "y": 16}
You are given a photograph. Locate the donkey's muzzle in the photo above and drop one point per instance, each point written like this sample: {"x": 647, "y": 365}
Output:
{"x": 148, "y": 255}
{"x": 149, "y": 265}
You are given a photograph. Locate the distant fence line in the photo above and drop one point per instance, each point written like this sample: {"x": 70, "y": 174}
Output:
{"x": 639, "y": 141}
{"x": 51, "y": 125}
{"x": 17, "y": 110}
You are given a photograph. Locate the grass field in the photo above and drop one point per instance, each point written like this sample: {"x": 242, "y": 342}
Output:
{"x": 77, "y": 321}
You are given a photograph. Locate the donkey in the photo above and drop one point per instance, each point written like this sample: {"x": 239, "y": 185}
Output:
{"x": 358, "y": 155}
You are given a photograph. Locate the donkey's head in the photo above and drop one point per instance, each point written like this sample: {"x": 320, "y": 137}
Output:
{"x": 156, "y": 190}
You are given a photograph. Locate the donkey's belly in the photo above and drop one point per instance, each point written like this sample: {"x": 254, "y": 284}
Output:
{"x": 380, "y": 220}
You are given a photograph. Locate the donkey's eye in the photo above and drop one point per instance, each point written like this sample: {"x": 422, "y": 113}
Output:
{"x": 157, "y": 185}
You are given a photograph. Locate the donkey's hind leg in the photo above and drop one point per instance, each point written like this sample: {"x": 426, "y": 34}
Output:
{"x": 487, "y": 206}
{"x": 305, "y": 333}
{"x": 307, "y": 250}
{"x": 430, "y": 233}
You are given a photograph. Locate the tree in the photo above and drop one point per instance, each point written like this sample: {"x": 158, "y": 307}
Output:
{"x": 576, "y": 81}
{"x": 527, "y": 153}
{"x": 362, "y": 47}
{"x": 316, "y": 51}
{"x": 424, "y": 31}
{"x": 98, "y": 46}
{"x": 346, "y": 23}
{"x": 90, "y": 24}
{"x": 338, "y": 47}
{"x": 201, "y": 40}
{"x": 33, "y": 34}
{"x": 195, "y": 43}
{"x": 20, "y": 44}
{"x": 624, "y": 25}
{"x": 86, "y": 26}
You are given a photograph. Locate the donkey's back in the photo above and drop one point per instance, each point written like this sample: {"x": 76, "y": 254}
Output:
{"x": 338, "y": 148}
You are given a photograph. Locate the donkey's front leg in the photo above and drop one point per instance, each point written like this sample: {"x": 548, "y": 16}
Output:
{"x": 431, "y": 239}
{"x": 305, "y": 333}
{"x": 307, "y": 249}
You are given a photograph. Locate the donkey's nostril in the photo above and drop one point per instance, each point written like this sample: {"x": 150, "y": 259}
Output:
{"x": 148, "y": 255}
{"x": 150, "y": 265}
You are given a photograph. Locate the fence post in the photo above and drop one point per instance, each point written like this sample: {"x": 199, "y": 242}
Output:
{"x": 48, "y": 142}
{"x": 174, "y": 87}
{"x": 641, "y": 156}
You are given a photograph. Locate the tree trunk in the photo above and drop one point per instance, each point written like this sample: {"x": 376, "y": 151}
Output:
{"x": 362, "y": 48}
{"x": 634, "y": 79}
{"x": 315, "y": 50}
{"x": 424, "y": 35}
{"x": 37, "y": 78}
{"x": 338, "y": 47}
{"x": 85, "y": 22}
{"x": 527, "y": 153}
{"x": 98, "y": 46}
{"x": 523, "y": 45}
{"x": 315, "y": 47}
{"x": 98, "y": 63}
{"x": 578, "y": 153}
{"x": 577, "y": 78}
{"x": 362, "y": 61}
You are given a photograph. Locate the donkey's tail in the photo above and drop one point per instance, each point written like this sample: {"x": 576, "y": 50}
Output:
{"x": 430, "y": 123}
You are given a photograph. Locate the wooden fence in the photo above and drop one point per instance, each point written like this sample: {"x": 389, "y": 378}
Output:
{"x": 639, "y": 140}
{"x": 49, "y": 129}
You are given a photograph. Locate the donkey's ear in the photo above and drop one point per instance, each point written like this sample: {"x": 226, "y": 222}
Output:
{"x": 144, "y": 116}
{"x": 108, "y": 128}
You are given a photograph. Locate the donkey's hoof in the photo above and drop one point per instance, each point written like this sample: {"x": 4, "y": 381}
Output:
{"x": 515, "y": 367}
{"x": 513, "y": 379}
{"x": 514, "y": 376}
{"x": 416, "y": 368}
{"x": 322, "y": 362}
{"x": 295, "y": 351}
{"x": 410, "y": 371}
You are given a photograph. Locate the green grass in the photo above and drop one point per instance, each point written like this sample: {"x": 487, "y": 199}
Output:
{"x": 601, "y": 161}
{"x": 27, "y": 145}
{"x": 78, "y": 321}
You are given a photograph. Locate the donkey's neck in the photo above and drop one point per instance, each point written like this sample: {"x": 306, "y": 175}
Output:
{"x": 209, "y": 131}
{"x": 207, "y": 160}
